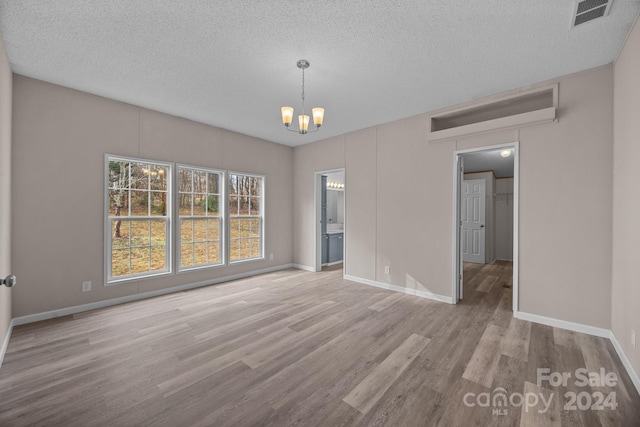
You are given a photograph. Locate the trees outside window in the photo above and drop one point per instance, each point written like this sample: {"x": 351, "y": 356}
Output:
{"x": 138, "y": 216}
{"x": 200, "y": 197}
{"x": 245, "y": 216}
{"x": 220, "y": 218}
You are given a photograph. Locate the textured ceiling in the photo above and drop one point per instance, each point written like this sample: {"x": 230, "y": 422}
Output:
{"x": 232, "y": 63}
{"x": 491, "y": 160}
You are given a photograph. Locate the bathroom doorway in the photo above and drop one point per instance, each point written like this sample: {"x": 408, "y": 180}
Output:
{"x": 330, "y": 214}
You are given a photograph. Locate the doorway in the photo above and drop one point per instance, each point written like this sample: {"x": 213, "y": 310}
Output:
{"x": 330, "y": 191}
{"x": 485, "y": 237}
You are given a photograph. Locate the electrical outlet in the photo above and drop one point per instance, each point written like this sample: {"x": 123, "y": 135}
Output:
{"x": 387, "y": 269}
{"x": 633, "y": 338}
{"x": 270, "y": 257}
{"x": 86, "y": 285}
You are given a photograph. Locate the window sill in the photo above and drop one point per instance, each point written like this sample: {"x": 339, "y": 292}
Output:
{"x": 198, "y": 268}
{"x": 241, "y": 261}
{"x": 141, "y": 276}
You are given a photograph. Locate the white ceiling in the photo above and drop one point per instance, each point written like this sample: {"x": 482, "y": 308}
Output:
{"x": 232, "y": 63}
{"x": 490, "y": 160}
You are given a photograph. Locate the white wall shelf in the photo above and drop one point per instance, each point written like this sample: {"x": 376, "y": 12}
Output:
{"x": 534, "y": 106}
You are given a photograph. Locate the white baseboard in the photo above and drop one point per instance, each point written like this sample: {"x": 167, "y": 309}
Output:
{"x": 625, "y": 361}
{"x": 329, "y": 264}
{"x": 304, "y": 267}
{"x": 591, "y": 330}
{"x": 563, "y": 324}
{"x": 5, "y": 343}
{"x": 415, "y": 292}
{"x": 135, "y": 297}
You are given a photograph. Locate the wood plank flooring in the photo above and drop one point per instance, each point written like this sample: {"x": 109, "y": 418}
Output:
{"x": 300, "y": 348}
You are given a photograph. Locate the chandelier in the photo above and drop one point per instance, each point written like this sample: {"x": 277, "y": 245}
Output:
{"x": 303, "y": 119}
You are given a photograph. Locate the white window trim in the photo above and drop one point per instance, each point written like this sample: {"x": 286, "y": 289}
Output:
{"x": 262, "y": 216}
{"x": 172, "y": 229}
{"x": 222, "y": 216}
{"x": 108, "y": 280}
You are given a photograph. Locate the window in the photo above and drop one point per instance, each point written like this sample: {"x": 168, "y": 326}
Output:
{"x": 138, "y": 218}
{"x": 245, "y": 216}
{"x": 199, "y": 201}
{"x": 217, "y": 224}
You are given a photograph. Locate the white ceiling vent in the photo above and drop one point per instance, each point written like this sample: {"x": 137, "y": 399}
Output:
{"x": 588, "y": 10}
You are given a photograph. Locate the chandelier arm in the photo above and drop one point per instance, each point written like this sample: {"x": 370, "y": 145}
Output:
{"x": 298, "y": 130}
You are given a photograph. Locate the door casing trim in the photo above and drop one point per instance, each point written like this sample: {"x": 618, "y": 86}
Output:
{"x": 455, "y": 255}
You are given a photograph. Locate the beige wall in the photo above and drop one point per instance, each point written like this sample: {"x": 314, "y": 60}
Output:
{"x": 308, "y": 159}
{"x": 60, "y": 138}
{"x": 565, "y": 205}
{"x": 399, "y": 202}
{"x": 361, "y": 197}
{"x": 626, "y": 205}
{"x": 6, "y": 89}
{"x": 504, "y": 219}
{"x": 398, "y": 197}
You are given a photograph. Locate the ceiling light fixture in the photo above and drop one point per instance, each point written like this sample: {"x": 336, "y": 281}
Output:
{"x": 505, "y": 153}
{"x": 303, "y": 119}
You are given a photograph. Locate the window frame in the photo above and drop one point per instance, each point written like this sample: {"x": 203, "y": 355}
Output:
{"x": 110, "y": 280}
{"x": 222, "y": 230}
{"x": 261, "y": 216}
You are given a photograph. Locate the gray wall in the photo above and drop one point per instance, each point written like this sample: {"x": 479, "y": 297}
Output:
{"x": 399, "y": 203}
{"x": 6, "y": 89}
{"x": 60, "y": 138}
{"x": 626, "y": 205}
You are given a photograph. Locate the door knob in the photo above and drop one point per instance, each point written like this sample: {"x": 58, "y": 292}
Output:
{"x": 10, "y": 281}
{"x": 482, "y": 226}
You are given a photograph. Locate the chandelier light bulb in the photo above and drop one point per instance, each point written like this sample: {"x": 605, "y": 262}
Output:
{"x": 303, "y": 123}
{"x": 318, "y": 116}
{"x": 287, "y": 115}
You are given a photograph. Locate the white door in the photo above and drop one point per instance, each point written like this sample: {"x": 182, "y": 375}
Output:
{"x": 472, "y": 215}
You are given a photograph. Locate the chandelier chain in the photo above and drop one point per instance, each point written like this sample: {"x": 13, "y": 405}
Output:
{"x": 302, "y": 91}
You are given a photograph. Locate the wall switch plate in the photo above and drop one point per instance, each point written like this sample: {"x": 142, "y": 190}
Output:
{"x": 270, "y": 257}
{"x": 86, "y": 285}
{"x": 633, "y": 338}
{"x": 387, "y": 269}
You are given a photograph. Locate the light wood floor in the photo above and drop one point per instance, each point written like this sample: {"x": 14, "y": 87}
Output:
{"x": 301, "y": 348}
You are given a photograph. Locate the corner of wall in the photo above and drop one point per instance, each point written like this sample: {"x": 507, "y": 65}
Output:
{"x": 6, "y": 105}
{"x": 625, "y": 318}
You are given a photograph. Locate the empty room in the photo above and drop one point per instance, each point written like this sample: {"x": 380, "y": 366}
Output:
{"x": 234, "y": 213}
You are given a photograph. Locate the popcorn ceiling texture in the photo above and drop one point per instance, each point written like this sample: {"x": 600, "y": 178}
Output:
{"x": 232, "y": 64}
